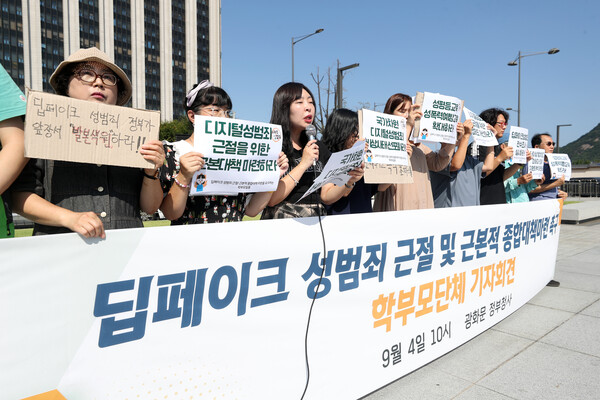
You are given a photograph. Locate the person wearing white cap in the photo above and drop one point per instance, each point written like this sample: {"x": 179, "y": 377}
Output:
{"x": 62, "y": 196}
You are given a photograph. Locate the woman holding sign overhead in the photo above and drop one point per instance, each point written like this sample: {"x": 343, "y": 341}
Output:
{"x": 62, "y": 196}
{"x": 416, "y": 195}
{"x": 182, "y": 162}
{"x": 294, "y": 110}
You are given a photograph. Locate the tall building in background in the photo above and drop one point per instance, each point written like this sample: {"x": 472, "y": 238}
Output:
{"x": 165, "y": 47}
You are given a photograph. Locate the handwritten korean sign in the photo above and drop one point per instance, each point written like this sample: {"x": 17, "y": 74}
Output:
{"x": 63, "y": 128}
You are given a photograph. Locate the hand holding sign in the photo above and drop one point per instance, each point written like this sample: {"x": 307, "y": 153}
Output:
{"x": 343, "y": 167}
{"x": 154, "y": 152}
{"x": 440, "y": 117}
{"x": 415, "y": 114}
{"x": 283, "y": 163}
{"x": 536, "y": 163}
{"x": 524, "y": 179}
{"x": 518, "y": 141}
{"x": 560, "y": 165}
{"x": 506, "y": 153}
{"x": 189, "y": 163}
{"x": 238, "y": 156}
{"x": 483, "y": 132}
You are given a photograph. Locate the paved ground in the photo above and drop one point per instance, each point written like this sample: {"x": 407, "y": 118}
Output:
{"x": 548, "y": 349}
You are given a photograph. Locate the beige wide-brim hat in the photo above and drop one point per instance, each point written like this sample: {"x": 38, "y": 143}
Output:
{"x": 95, "y": 54}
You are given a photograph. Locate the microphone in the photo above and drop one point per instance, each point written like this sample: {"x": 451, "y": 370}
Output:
{"x": 311, "y": 133}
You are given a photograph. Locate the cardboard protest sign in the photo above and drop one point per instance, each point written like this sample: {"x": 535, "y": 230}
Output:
{"x": 560, "y": 164}
{"x": 386, "y": 136}
{"x": 536, "y": 164}
{"x": 337, "y": 168}
{"x": 241, "y": 156}
{"x": 67, "y": 129}
{"x": 481, "y": 133}
{"x": 518, "y": 141}
{"x": 441, "y": 114}
{"x": 388, "y": 173}
{"x": 417, "y": 100}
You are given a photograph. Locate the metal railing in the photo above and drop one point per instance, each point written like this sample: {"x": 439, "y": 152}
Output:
{"x": 583, "y": 187}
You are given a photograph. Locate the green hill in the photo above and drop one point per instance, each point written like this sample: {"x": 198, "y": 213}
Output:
{"x": 586, "y": 149}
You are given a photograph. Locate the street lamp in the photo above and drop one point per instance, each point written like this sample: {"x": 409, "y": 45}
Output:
{"x": 339, "y": 86}
{"x": 558, "y": 135}
{"x": 517, "y": 61}
{"x": 512, "y": 109}
{"x": 299, "y": 39}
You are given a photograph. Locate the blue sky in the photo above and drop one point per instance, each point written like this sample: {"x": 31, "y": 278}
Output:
{"x": 457, "y": 48}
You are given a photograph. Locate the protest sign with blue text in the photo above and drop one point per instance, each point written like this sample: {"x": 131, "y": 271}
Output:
{"x": 241, "y": 156}
{"x": 560, "y": 165}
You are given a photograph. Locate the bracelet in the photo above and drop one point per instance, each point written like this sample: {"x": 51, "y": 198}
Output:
{"x": 181, "y": 185}
{"x": 153, "y": 177}
{"x": 348, "y": 186}
{"x": 295, "y": 181}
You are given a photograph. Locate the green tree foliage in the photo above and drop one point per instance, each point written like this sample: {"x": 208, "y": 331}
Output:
{"x": 171, "y": 130}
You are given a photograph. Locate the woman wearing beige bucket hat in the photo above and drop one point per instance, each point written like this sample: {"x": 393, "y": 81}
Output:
{"x": 62, "y": 196}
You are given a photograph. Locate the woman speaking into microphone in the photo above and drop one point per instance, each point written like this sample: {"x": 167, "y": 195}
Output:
{"x": 294, "y": 110}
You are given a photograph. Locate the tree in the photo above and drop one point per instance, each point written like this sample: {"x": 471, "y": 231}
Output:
{"x": 322, "y": 111}
{"x": 172, "y": 130}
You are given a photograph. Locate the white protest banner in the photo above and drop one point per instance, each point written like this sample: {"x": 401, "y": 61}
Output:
{"x": 123, "y": 318}
{"x": 518, "y": 141}
{"x": 481, "y": 133}
{"x": 337, "y": 167}
{"x": 536, "y": 164}
{"x": 241, "y": 156}
{"x": 68, "y": 129}
{"x": 441, "y": 114}
{"x": 560, "y": 164}
{"x": 386, "y": 159}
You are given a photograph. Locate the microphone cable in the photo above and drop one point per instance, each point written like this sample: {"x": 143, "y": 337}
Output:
{"x": 324, "y": 265}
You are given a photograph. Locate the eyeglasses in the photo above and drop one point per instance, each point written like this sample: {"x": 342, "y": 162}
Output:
{"x": 550, "y": 144}
{"x": 90, "y": 76}
{"x": 216, "y": 112}
{"x": 503, "y": 123}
